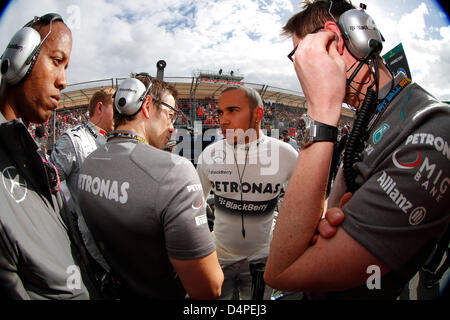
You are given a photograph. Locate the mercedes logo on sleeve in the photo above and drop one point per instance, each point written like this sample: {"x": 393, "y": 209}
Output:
{"x": 15, "y": 184}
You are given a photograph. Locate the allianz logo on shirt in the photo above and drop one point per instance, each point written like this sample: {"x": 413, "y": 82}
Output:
{"x": 388, "y": 185}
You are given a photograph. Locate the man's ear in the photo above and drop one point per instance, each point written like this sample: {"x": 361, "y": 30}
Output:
{"x": 259, "y": 114}
{"x": 146, "y": 106}
{"x": 333, "y": 27}
{"x": 99, "y": 107}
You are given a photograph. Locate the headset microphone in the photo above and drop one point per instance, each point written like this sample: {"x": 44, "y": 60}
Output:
{"x": 375, "y": 47}
{"x": 364, "y": 41}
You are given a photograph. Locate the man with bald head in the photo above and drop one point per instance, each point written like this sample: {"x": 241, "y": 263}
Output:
{"x": 37, "y": 260}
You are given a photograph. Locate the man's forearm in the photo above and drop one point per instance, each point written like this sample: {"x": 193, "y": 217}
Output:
{"x": 302, "y": 207}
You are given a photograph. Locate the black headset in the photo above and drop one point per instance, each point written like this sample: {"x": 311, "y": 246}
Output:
{"x": 23, "y": 50}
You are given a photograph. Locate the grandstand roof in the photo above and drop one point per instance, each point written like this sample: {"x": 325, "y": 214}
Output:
{"x": 190, "y": 88}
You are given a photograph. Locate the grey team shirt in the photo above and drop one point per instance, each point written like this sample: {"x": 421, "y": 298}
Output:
{"x": 144, "y": 205}
{"x": 405, "y": 175}
{"x": 36, "y": 260}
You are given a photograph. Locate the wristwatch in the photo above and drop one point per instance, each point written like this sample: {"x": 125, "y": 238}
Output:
{"x": 315, "y": 131}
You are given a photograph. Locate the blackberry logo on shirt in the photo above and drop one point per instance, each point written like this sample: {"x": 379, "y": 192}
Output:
{"x": 225, "y": 172}
{"x": 248, "y": 207}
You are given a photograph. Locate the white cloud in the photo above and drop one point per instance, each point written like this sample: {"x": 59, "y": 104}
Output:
{"x": 117, "y": 37}
{"x": 412, "y": 25}
{"x": 426, "y": 53}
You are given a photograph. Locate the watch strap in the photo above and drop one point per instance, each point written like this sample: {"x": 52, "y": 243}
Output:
{"x": 324, "y": 132}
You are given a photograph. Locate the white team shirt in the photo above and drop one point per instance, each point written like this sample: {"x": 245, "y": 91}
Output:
{"x": 261, "y": 167}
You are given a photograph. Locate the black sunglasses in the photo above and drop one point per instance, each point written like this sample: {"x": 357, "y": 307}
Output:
{"x": 291, "y": 54}
{"x": 176, "y": 114}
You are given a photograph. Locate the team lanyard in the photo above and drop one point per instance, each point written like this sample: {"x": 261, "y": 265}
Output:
{"x": 382, "y": 107}
{"x": 126, "y": 134}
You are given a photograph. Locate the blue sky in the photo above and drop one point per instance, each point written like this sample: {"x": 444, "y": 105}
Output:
{"x": 112, "y": 38}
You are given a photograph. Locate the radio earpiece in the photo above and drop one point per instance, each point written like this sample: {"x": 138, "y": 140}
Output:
{"x": 23, "y": 50}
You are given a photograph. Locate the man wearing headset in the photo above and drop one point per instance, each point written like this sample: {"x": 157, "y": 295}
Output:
{"x": 144, "y": 206}
{"x": 401, "y": 203}
{"x": 78, "y": 142}
{"x": 36, "y": 258}
{"x": 246, "y": 172}
{"x": 72, "y": 148}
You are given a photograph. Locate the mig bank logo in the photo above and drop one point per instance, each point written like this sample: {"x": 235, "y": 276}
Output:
{"x": 378, "y": 134}
{"x": 15, "y": 184}
{"x": 197, "y": 205}
{"x": 404, "y": 164}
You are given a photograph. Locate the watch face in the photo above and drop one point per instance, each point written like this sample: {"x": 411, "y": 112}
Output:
{"x": 305, "y": 129}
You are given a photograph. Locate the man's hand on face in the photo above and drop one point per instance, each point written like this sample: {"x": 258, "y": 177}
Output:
{"x": 321, "y": 72}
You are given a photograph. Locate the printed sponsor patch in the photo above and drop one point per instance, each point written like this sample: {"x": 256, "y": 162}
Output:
{"x": 201, "y": 220}
{"x": 389, "y": 186}
{"x": 198, "y": 204}
{"x": 104, "y": 188}
{"x": 378, "y": 134}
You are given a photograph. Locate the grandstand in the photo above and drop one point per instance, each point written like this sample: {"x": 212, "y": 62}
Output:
{"x": 197, "y": 98}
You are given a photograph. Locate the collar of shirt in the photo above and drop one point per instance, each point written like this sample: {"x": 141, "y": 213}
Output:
{"x": 254, "y": 142}
{"x": 383, "y": 92}
{"x": 98, "y": 129}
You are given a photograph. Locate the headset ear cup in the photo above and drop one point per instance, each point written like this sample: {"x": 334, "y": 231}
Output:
{"x": 128, "y": 97}
{"x": 33, "y": 61}
{"x": 18, "y": 52}
{"x": 358, "y": 29}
